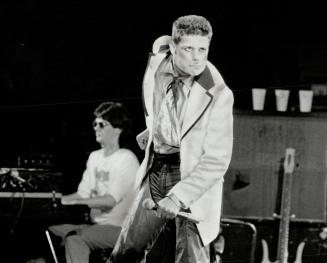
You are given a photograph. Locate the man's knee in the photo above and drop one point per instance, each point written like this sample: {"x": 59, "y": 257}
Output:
{"x": 72, "y": 239}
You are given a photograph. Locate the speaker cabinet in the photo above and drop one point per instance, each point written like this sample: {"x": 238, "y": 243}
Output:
{"x": 253, "y": 182}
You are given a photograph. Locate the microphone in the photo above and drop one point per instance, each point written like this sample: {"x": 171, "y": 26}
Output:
{"x": 149, "y": 204}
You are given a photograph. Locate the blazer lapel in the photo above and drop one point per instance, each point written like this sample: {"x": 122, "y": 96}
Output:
{"x": 199, "y": 101}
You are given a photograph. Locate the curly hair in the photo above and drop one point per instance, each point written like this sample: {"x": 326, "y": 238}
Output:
{"x": 191, "y": 25}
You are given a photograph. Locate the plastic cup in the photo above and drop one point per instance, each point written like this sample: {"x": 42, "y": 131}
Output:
{"x": 258, "y": 99}
{"x": 282, "y": 96}
{"x": 305, "y": 97}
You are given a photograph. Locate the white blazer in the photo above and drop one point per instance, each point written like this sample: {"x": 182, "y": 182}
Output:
{"x": 206, "y": 142}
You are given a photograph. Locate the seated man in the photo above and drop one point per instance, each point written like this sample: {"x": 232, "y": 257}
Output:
{"x": 106, "y": 187}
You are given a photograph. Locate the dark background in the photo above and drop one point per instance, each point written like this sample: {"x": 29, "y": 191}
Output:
{"x": 60, "y": 59}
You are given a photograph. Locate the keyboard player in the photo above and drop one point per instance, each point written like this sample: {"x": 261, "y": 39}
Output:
{"x": 106, "y": 187}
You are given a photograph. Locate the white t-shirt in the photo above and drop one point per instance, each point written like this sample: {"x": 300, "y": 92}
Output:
{"x": 114, "y": 175}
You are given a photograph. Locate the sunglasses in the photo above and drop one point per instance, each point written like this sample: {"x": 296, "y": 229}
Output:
{"x": 101, "y": 124}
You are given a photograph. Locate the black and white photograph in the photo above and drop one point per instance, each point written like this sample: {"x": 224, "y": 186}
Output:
{"x": 163, "y": 132}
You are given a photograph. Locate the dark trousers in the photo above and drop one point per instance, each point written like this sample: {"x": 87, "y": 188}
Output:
{"x": 175, "y": 240}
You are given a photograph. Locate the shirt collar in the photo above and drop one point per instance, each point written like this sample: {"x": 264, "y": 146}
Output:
{"x": 168, "y": 68}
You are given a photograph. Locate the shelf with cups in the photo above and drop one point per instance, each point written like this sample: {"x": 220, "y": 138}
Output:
{"x": 289, "y": 102}
{"x": 296, "y": 113}
{"x": 282, "y": 98}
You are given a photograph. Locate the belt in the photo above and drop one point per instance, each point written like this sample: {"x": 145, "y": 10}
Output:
{"x": 171, "y": 158}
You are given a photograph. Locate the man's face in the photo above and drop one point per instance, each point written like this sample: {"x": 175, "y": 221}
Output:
{"x": 104, "y": 132}
{"x": 191, "y": 54}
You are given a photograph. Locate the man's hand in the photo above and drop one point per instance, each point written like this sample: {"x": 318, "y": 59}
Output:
{"x": 142, "y": 139}
{"x": 167, "y": 208}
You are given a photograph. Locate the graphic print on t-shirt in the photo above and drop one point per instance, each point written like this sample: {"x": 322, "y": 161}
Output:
{"x": 102, "y": 175}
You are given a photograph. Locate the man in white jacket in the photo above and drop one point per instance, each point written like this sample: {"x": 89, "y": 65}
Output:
{"x": 188, "y": 146}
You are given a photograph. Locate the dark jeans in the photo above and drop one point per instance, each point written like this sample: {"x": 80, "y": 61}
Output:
{"x": 173, "y": 240}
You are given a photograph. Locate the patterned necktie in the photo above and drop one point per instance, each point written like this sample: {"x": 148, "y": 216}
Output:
{"x": 176, "y": 89}
{"x": 167, "y": 123}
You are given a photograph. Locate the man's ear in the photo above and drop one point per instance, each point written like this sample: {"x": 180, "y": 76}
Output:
{"x": 118, "y": 130}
